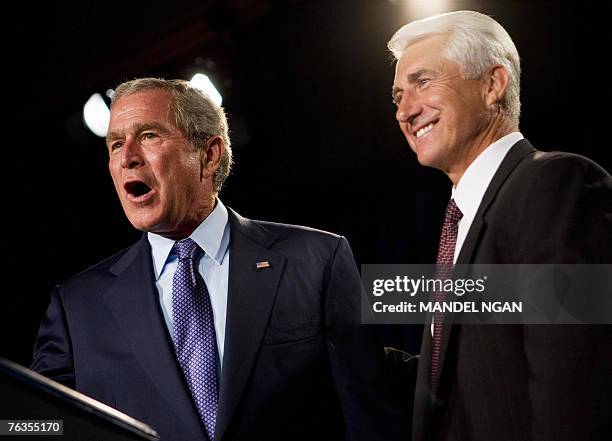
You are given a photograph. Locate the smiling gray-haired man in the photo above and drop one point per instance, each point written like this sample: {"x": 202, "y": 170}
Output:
{"x": 457, "y": 91}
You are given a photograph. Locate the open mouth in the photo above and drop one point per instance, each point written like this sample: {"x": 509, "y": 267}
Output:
{"x": 137, "y": 189}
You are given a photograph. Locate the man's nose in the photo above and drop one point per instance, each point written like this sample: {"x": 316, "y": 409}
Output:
{"x": 407, "y": 110}
{"x": 131, "y": 154}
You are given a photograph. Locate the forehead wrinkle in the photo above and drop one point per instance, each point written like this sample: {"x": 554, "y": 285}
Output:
{"x": 137, "y": 127}
{"x": 144, "y": 102}
{"x": 413, "y": 76}
{"x": 434, "y": 51}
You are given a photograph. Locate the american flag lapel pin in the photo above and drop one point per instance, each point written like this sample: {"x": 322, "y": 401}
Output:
{"x": 264, "y": 264}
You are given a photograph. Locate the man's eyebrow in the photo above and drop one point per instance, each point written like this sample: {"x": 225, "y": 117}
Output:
{"x": 137, "y": 128}
{"x": 111, "y": 136}
{"x": 412, "y": 77}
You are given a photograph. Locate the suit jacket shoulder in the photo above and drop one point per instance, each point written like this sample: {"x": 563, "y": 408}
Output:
{"x": 284, "y": 235}
{"x": 301, "y": 245}
{"x": 543, "y": 207}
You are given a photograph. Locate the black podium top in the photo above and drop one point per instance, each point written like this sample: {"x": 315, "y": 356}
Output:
{"x": 27, "y": 395}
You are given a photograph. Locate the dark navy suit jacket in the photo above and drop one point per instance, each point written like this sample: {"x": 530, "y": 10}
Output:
{"x": 297, "y": 366}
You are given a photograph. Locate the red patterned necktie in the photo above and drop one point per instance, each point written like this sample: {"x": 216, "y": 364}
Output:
{"x": 445, "y": 259}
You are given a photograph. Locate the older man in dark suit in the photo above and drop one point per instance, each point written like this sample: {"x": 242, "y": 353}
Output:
{"x": 456, "y": 89}
{"x": 213, "y": 326}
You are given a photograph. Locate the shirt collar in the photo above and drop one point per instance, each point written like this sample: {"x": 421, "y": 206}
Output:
{"x": 470, "y": 189}
{"x": 212, "y": 235}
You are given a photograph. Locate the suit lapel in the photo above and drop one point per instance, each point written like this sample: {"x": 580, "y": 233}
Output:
{"x": 515, "y": 155}
{"x": 134, "y": 303}
{"x": 512, "y": 159}
{"x": 251, "y": 295}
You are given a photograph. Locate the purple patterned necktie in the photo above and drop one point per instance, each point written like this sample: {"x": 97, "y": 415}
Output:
{"x": 194, "y": 336}
{"x": 445, "y": 259}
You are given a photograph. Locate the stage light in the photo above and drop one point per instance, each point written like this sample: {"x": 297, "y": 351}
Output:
{"x": 203, "y": 83}
{"x": 96, "y": 115}
{"x": 417, "y": 9}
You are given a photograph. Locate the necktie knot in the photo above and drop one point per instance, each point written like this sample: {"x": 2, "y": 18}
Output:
{"x": 453, "y": 214}
{"x": 187, "y": 249}
{"x": 448, "y": 238}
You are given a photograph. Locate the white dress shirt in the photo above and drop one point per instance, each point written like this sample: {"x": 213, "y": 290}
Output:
{"x": 470, "y": 189}
{"x": 473, "y": 184}
{"x": 212, "y": 235}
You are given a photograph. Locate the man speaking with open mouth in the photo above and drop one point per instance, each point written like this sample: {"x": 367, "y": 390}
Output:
{"x": 213, "y": 326}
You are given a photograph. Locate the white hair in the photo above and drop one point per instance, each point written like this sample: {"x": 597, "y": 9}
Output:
{"x": 476, "y": 42}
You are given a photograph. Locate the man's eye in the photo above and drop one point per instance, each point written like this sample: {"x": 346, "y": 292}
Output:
{"x": 397, "y": 99}
{"x": 115, "y": 145}
{"x": 148, "y": 136}
{"x": 422, "y": 82}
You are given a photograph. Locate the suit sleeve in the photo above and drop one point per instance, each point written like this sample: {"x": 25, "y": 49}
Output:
{"x": 357, "y": 357}
{"x": 53, "y": 348}
{"x": 570, "y": 365}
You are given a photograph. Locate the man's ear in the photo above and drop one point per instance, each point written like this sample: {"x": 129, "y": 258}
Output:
{"x": 210, "y": 156}
{"x": 496, "y": 84}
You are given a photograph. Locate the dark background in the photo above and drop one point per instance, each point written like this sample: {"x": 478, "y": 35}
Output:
{"x": 306, "y": 85}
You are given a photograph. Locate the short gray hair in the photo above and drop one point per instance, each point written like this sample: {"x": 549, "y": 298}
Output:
{"x": 196, "y": 116}
{"x": 476, "y": 42}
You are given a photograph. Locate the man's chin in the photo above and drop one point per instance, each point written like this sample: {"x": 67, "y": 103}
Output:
{"x": 426, "y": 160}
{"x": 143, "y": 222}
{"x": 423, "y": 153}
